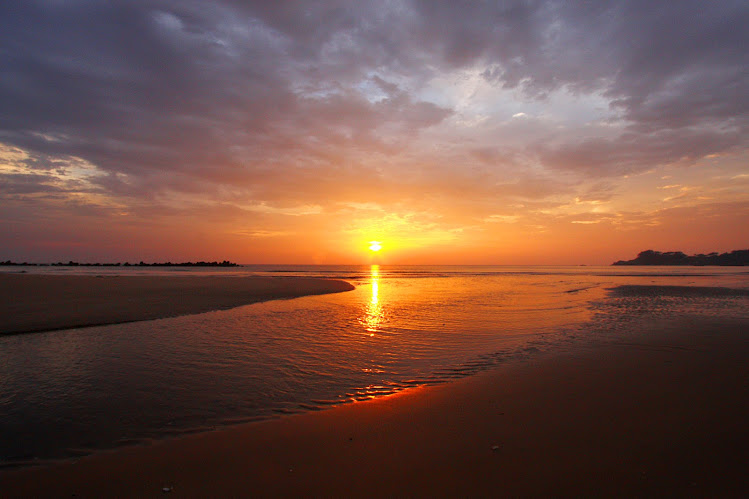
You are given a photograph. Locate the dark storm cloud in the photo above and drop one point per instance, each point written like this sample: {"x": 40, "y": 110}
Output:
{"x": 189, "y": 94}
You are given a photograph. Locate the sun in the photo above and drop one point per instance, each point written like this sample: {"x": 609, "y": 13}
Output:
{"x": 375, "y": 246}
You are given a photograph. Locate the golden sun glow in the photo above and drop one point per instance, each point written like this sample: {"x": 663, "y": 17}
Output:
{"x": 374, "y": 314}
{"x": 375, "y": 245}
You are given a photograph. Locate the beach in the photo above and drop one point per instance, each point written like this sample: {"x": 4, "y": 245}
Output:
{"x": 662, "y": 414}
{"x": 658, "y": 408}
{"x": 38, "y": 302}
{"x": 374, "y": 249}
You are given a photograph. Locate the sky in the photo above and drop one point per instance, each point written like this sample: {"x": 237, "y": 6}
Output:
{"x": 453, "y": 132}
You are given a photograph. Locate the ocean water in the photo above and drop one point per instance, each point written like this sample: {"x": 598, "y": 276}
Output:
{"x": 69, "y": 393}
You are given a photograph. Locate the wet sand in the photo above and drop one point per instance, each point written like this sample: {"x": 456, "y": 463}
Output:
{"x": 34, "y": 303}
{"x": 662, "y": 413}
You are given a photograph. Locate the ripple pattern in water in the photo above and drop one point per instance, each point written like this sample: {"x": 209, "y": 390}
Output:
{"x": 67, "y": 393}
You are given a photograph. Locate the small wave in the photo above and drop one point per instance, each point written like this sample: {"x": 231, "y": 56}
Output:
{"x": 327, "y": 402}
{"x": 680, "y": 291}
{"x": 577, "y": 290}
{"x": 13, "y": 464}
{"x": 310, "y": 407}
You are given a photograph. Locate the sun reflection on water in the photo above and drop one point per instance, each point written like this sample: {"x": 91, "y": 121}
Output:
{"x": 374, "y": 315}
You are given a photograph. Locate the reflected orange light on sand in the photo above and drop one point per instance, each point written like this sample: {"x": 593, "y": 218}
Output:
{"x": 374, "y": 314}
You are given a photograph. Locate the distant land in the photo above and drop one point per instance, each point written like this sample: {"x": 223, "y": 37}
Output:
{"x": 650, "y": 257}
{"x": 225, "y": 263}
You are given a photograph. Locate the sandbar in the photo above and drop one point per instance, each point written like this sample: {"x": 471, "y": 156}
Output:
{"x": 661, "y": 412}
{"x": 39, "y": 302}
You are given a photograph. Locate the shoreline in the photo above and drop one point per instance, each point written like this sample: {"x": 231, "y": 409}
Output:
{"x": 31, "y": 303}
{"x": 660, "y": 411}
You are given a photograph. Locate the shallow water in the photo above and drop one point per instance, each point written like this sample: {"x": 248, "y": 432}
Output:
{"x": 68, "y": 393}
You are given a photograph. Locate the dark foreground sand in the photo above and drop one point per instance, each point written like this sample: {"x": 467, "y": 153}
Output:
{"x": 33, "y": 302}
{"x": 663, "y": 414}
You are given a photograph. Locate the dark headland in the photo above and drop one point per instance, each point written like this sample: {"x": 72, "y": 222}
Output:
{"x": 651, "y": 257}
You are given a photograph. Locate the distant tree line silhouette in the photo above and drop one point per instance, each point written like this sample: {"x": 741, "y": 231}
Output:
{"x": 225, "y": 263}
{"x": 650, "y": 257}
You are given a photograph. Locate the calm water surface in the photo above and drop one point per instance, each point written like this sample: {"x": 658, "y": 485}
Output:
{"x": 72, "y": 392}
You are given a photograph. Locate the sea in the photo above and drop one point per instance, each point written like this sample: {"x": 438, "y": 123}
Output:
{"x": 65, "y": 394}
